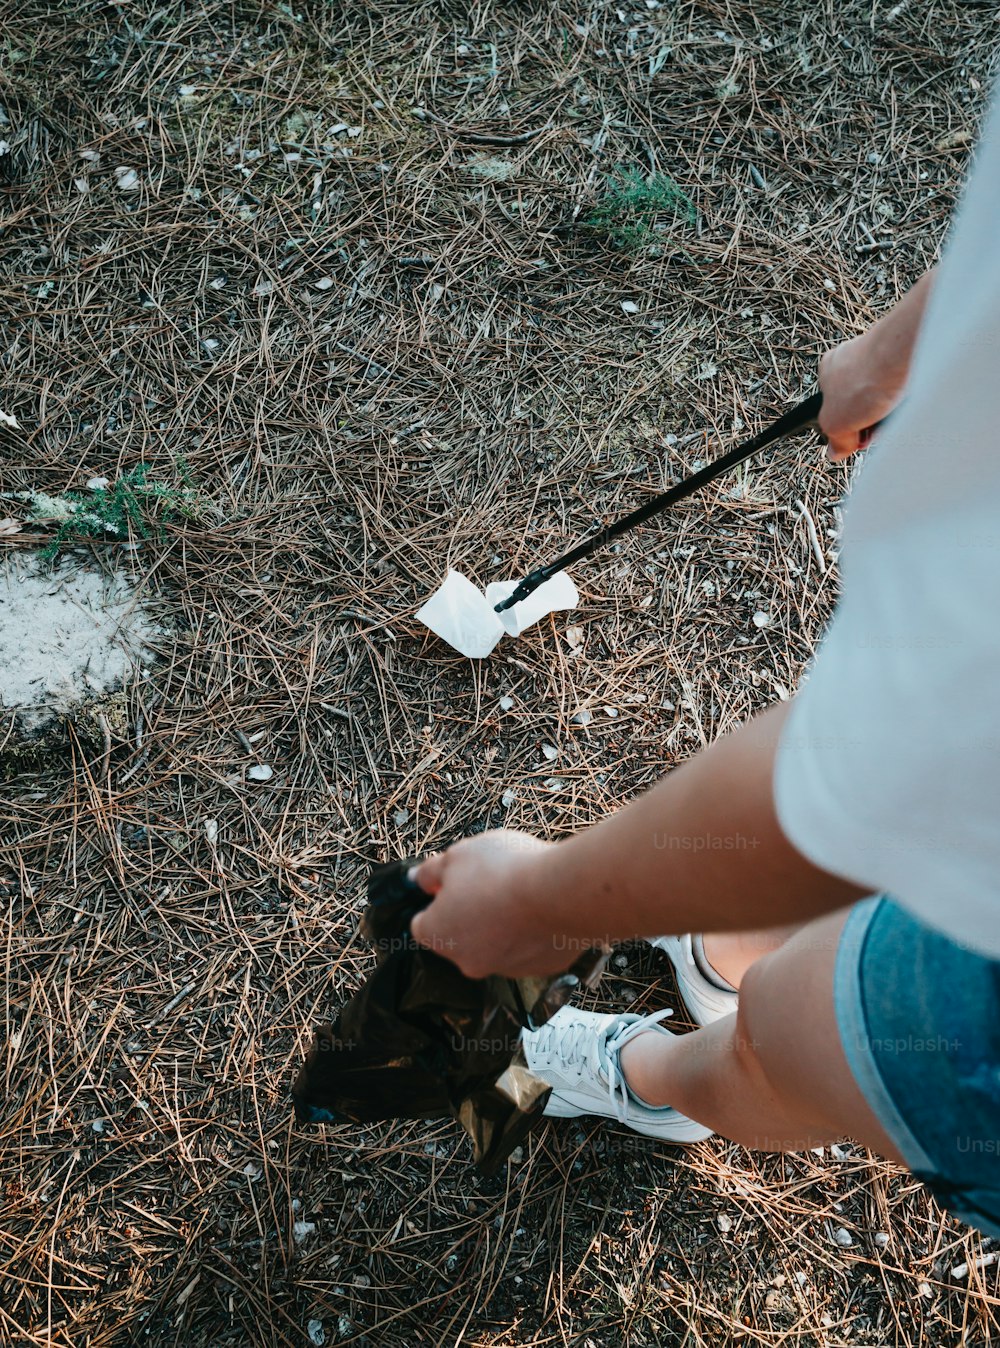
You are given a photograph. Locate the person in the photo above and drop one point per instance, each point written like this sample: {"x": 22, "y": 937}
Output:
{"x": 838, "y": 854}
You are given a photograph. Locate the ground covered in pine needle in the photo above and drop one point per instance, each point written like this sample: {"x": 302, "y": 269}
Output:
{"x": 390, "y": 288}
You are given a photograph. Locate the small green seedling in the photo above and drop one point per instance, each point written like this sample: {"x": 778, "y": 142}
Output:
{"x": 632, "y": 206}
{"x": 130, "y": 507}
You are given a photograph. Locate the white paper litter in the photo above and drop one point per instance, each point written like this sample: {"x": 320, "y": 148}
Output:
{"x": 464, "y": 617}
{"x": 558, "y": 592}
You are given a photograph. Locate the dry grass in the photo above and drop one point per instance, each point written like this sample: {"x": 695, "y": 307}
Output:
{"x": 468, "y": 390}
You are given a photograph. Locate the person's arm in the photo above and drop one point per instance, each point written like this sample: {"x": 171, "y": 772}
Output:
{"x": 701, "y": 851}
{"x": 862, "y": 380}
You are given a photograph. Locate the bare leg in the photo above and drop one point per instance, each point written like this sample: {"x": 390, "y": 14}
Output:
{"x": 730, "y": 953}
{"x": 773, "y": 1076}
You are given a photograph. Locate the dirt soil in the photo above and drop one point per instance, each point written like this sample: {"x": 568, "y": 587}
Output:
{"x": 332, "y": 265}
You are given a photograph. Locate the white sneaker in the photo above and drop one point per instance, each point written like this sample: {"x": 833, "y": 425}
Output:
{"x": 706, "y": 1000}
{"x": 576, "y": 1052}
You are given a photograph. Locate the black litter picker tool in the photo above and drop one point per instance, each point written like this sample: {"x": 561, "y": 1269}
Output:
{"x": 420, "y": 1040}
{"x": 798, "y": 418}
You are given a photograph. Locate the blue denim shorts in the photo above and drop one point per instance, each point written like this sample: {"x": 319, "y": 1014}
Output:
{"x": 919, "y": 1019}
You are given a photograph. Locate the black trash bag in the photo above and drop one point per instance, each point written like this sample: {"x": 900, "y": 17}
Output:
{"x": 421, "y": 1041}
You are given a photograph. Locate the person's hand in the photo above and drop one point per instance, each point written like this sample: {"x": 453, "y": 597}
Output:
{"x": 485, "y": 917}
{"x": 862, "y": 380}
{"x": 857, "y": 394}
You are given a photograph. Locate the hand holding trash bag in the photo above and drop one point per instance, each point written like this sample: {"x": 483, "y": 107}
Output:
{"x": 483, "y": 917}
{"x": 422, "y": 1040}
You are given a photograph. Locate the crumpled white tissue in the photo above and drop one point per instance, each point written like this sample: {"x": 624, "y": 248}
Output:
{"x": 556, "y": 593}
{"x": 461, "y": 615}
{"x": 464, "y": 617}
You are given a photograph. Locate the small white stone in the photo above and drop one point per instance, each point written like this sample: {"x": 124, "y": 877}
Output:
{"x": 316, "y": 1332}
{"x": 724, "y": 1223}
{"x": 98, "y": 483}
{"x": 302, "y": 1231}
{"x": 325, "y": 283}
{"x": 574, "y": 635}
{"x": 508, "y": 798}
{"x": 882, "y": 1240}
{"x": 761, "y": 619}
{"x": 260, "y": 772}
{"x": 186, "y": 90}
{"x": 843, "y": 1237}
{"x": 127, "y": 179}
{"x": 801, "y": 1278}
{"x": 610, "y": 711}
{"x": 583, "y": 717}
{"x": 401, "y": 817}
{"x": 211, "y": 831}
{"x": 506, "y": 703}
{"x": 551, "y": 752}
{"x": 629, "y": 307}
{"x": 98, "y": 1125}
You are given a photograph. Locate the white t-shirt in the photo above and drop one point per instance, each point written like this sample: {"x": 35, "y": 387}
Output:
{"x": 888, "y": 771}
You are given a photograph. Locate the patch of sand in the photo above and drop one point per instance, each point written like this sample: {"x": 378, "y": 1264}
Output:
{"x": 67, "y": 636}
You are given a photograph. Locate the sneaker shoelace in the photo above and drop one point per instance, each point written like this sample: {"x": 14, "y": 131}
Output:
{"x": 572, "y": 1045}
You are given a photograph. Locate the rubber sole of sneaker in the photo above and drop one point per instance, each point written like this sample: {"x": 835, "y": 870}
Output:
{"x": 679, "y": 1129}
